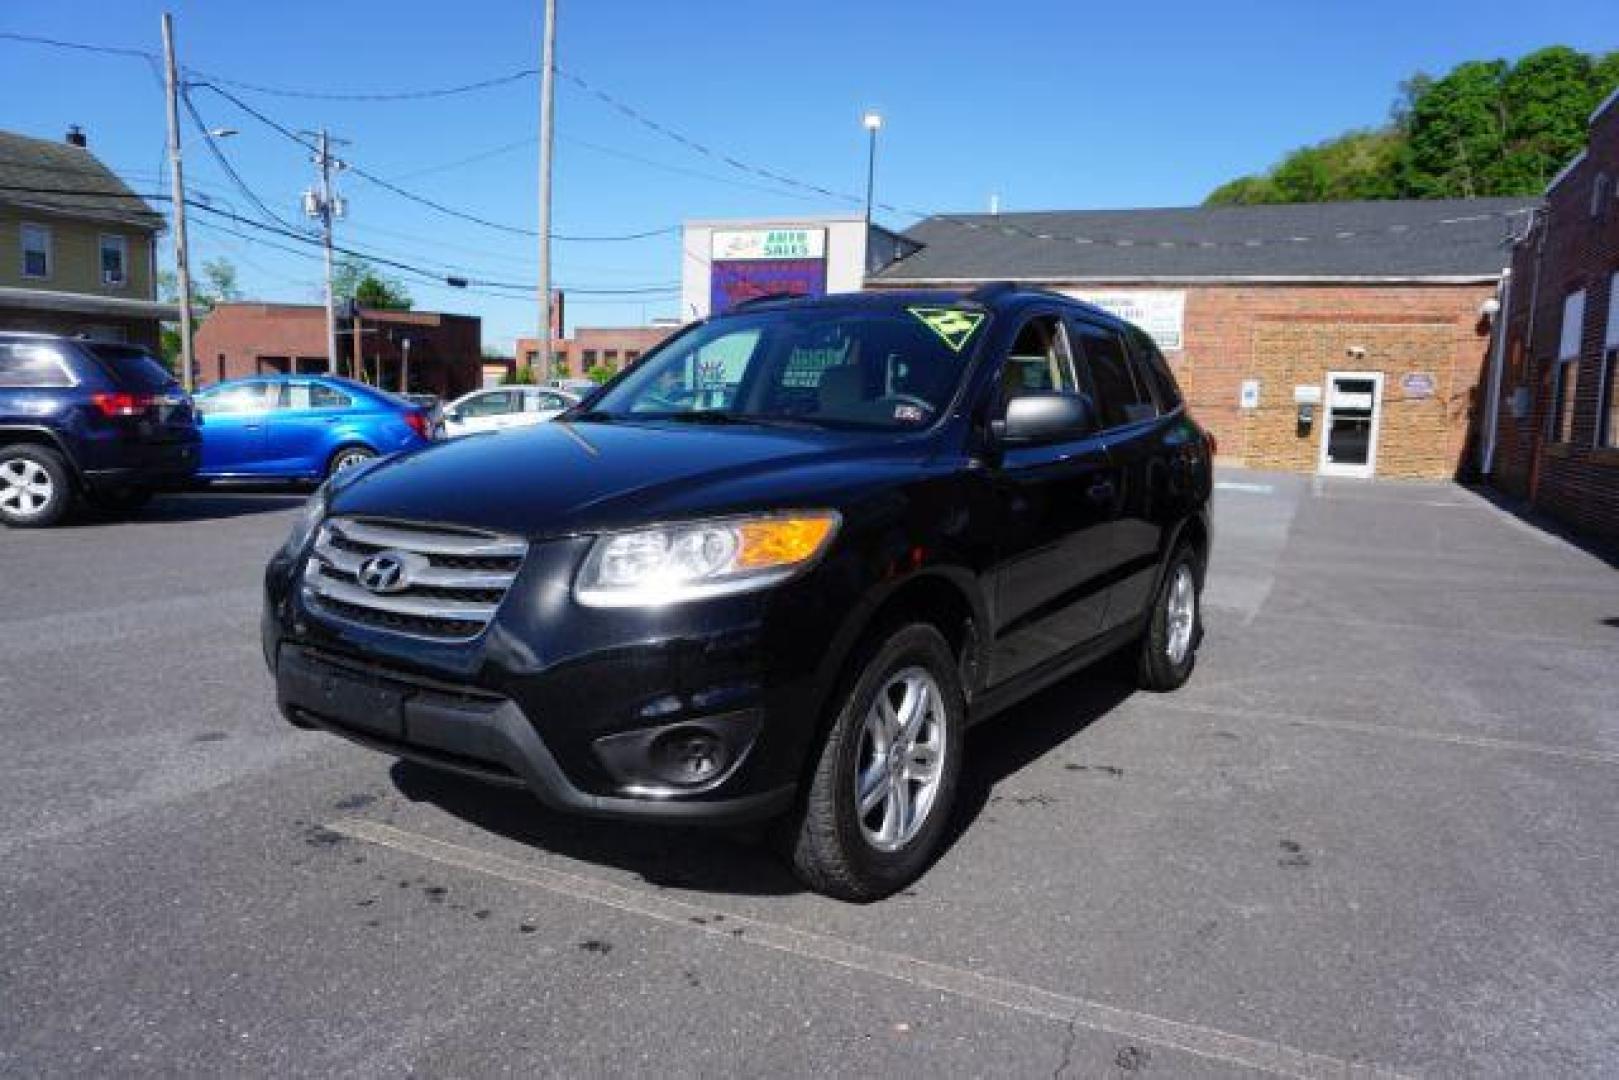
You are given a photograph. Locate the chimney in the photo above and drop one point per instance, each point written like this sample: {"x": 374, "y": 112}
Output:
{"x": 75, "y": 136}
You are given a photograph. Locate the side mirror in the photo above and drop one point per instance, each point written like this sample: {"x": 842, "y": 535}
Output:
{"x": 1046, "y": 417}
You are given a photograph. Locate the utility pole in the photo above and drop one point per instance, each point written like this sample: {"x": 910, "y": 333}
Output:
{"x": 548, "y": 44}
{"x": 323, "y": 205}
{"x": 182, "y": 268}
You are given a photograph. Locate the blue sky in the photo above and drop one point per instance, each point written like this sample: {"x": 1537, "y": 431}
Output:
{"x": 1049, "y": 104}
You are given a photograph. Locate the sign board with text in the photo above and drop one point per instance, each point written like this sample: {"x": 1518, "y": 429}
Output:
{"x": 753, "y": 245}
{"x": 1160, "y": 312}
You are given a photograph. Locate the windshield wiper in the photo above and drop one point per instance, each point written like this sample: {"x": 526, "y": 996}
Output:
{"x": 702, "y": 416}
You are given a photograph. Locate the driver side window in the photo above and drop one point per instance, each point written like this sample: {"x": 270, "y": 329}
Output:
{"x": 1039, "y": 361}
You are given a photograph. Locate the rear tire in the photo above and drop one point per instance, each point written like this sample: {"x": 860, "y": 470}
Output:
{"x": 1175, "y": 629}
{"x": 879, "y": 800}
{"x": 36, "y": 488}
{"x": 347, "y": 457}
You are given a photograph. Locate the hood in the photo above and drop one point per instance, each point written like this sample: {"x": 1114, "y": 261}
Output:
{"x": 553, "y": 479}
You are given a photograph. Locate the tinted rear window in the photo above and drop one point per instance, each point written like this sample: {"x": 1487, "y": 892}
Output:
{"x": 134, "y": 369}
{"x": 32, "y": 366}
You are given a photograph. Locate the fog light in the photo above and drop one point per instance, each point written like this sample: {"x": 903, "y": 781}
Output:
{"x": 688, "y": 755}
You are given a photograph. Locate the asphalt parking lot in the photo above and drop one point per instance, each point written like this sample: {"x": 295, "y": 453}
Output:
{"x": 1378, "y": 831}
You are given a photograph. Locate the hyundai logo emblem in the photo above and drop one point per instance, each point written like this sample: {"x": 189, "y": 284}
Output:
{"x": 386, "y": 572}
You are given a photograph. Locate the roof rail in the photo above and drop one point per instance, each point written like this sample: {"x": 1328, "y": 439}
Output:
{"x": 766, "y": 298}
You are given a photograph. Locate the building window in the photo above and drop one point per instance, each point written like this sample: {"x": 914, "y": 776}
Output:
{"x": 1599, "y": 195}
{"x": 1608, "y": 396}
{"x": 589, "y": 357}
{"x": 114, "y": 260}
{"x": 631, "y": 356}
{"x": 36, "y": 251}
{"x": 1566, "y": 371}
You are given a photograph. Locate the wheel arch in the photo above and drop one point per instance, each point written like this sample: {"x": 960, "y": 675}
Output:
{"x": 947, "y": 597}
{"x": 32, "y": 435}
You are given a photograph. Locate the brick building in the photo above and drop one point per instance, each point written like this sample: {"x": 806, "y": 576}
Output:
{"x": 1552, "y": 433}
{"x": 426, "y": 352}
{"x": 1283, "y": 323}
{"x": 615, "y": 346}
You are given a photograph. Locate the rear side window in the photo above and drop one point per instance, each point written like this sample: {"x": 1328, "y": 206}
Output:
{"x": 132, "y": 368}
{"x": 1153, "y": 370}
{"x": 32, "y": 366}
{"x": 300, "y": 396}
{"x": 1121, "y": 399}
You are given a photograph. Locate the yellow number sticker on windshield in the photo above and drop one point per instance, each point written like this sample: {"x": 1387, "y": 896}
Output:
{"x": 952, "y": 325}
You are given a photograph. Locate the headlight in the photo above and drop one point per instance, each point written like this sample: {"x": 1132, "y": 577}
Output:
{"x": 309, "y": 519}
{"x": 676, "y": 563}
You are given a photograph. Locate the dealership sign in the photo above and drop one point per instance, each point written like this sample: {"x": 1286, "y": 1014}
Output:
{"x": 1160, "y": 312}
{"x": 750, "y": 245}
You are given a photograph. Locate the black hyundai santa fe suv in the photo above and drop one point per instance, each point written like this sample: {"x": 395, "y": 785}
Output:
{"x": 772, "y": 572}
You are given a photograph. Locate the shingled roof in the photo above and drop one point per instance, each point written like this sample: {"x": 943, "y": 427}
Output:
{"x": 1433, "y": 239}
{"x": 35, "y": 172}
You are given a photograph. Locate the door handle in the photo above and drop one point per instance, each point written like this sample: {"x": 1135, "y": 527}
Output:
{"x": 1101, "y": 491}
{"x": 333, "y": 419}
{"x": 252, "y": 427}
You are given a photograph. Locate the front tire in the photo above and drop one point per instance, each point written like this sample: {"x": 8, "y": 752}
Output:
{"x": 347, "y": 457}
{"x": 879, "y": 801}
{"x": 36, "y": 489}
{"x": 1175, "y": 628}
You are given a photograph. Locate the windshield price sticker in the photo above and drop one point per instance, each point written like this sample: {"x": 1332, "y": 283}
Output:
{"x": 952, "y": 325}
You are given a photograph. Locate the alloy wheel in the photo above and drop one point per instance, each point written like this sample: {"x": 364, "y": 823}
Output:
{"x": 1182, "y": 614}
{"x": 901, "y": 759}
{"x": 26, "y": 488}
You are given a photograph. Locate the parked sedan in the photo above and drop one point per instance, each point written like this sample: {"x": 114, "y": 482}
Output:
{"x": 301, "y": 427}
{"x": 504, "y": 407}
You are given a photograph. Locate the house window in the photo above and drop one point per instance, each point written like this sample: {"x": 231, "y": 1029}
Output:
{"x": 36, "y": 251}
{"x": 1566, "y": 372}
{"x": 589, "y": 357}
{"x": 1608, "y": 398}
{"x": 114, "y": 260}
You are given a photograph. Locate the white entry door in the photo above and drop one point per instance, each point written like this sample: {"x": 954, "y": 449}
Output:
{"x": 1352, "y": 410}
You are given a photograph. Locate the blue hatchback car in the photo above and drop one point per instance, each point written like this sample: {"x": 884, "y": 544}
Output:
{"x": 301, "y": 427}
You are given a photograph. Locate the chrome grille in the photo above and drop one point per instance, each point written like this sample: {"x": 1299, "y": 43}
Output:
{"x": 453, "y": 579}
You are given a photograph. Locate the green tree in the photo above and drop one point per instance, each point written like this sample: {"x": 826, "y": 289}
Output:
{"x": 358, "y": 280}
{"x": 600, "y": 373}
{"x": 215, "y": 283}
{"x": 1487, "y": 127}
{"x": 519, "y": 376}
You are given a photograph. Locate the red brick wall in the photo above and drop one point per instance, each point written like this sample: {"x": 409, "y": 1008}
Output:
{"x": 238, "y": 340}
{"x": 1288, "y": 335}
{"x": 1569, "y": 249}
{"x": 619, "y": 340}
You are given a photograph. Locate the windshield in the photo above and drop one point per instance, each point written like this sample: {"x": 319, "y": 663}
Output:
{"x": 133, "y": 367}
{"x": 890, "y": 370}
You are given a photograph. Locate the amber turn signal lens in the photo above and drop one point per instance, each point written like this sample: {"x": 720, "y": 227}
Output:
{"x": 782, "y": 541}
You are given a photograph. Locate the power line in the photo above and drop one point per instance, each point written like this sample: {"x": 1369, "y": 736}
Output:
{"x": 224, "y": 163}
{"x": 433, "y": 204}
{"x": 110, "y": 50}
{"x": 394, "y": 95}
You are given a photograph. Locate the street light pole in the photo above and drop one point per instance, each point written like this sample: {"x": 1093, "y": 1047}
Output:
{"x": 873, "y": 122}
{"x": 182, "y": 267}
{"x": 547, "y": 122}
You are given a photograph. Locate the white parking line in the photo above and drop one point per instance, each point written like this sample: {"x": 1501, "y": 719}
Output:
{"x": 1358, "y": 727}
{"x": 1243, "y": 485}
{"x": 1196, "y": 1039}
